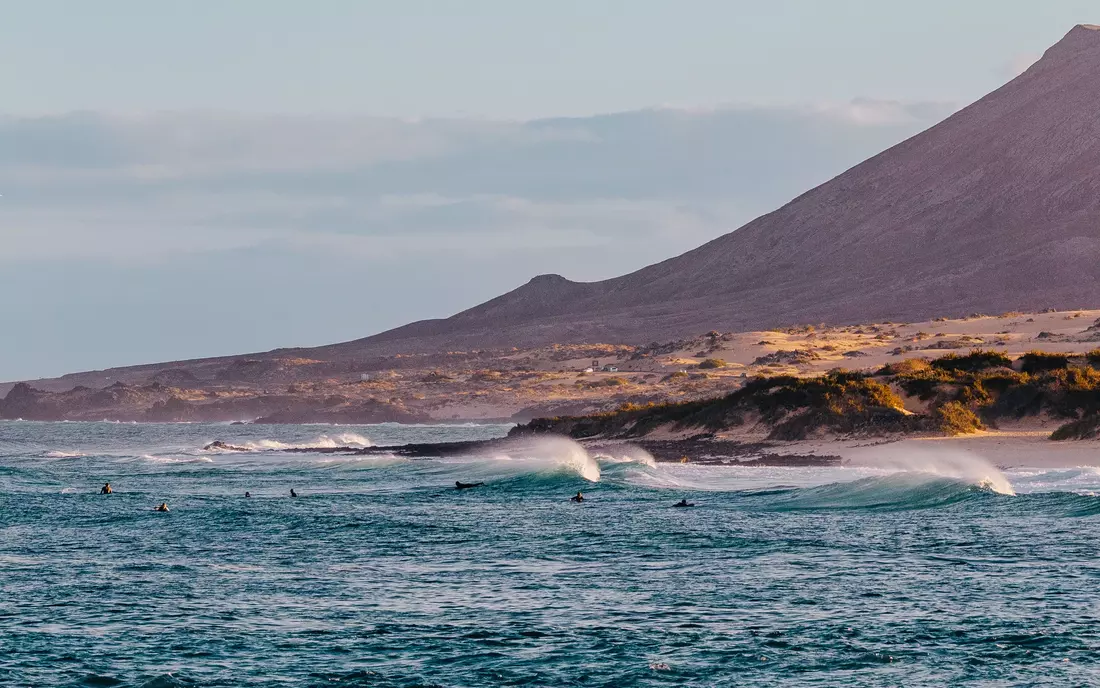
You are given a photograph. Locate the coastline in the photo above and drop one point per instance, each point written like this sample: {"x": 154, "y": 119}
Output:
{"x": 518, "y": 385}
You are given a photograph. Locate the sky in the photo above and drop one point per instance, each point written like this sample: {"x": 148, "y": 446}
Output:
{"x": 189, "y": 179}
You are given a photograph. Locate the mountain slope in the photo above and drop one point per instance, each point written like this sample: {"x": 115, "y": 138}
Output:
{"x": 997, "y": 208}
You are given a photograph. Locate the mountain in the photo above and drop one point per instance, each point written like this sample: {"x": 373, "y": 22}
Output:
{"x": 996, "y": 208}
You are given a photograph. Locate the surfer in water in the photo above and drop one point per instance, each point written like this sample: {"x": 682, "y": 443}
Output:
{"x": 577, "y": 498}
{"x": 683, "y": 502}
{"x": 106, "y": 489}
{"x": 459, "y": 485}
{"x": 247, "y": 494}
{"x": 293, "y": 493}
{"x": 163, "y": 506}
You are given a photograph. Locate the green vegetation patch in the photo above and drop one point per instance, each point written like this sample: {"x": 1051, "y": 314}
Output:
{"x": 712, "y": 363}
{"x": 955, "y": 418}
{"x": 977, "y": 359}
{"x": 962, "y": 394}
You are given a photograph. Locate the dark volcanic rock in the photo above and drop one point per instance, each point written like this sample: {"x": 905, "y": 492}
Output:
{"x": 23, "y": 401}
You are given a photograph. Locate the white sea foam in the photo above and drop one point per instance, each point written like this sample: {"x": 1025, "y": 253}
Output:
{"x": 152, "y": 458}
{"x": 947, "y": 463}
{"x": 550, "y": 453}
{"x": 625, "y": 453}
{"x": 344, "y": 439}
{"x": 1084, "y": 480}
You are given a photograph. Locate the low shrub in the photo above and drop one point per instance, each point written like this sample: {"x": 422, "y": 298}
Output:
{"x": 953, "y": 418}
{"x": 909, "y": 366}
{"x": 1087, "y": 428}
{"x": 925, "y": 384}
{"x": 712, "y": 363}
{"x": 976, "y": 360}
{"x": 1040, "y": 361}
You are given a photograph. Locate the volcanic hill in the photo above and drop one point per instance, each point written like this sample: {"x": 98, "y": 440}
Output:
{"x": 996, "y": 208}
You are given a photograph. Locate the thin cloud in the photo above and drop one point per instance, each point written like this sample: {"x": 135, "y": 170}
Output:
{"x": 103, "y": 187}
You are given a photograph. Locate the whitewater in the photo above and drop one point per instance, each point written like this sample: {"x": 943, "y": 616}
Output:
{"x": 894, "y": 569}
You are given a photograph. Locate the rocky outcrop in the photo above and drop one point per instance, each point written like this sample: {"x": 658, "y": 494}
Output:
{"x": 26, "y": 402}
{"x": 787, "y": 357}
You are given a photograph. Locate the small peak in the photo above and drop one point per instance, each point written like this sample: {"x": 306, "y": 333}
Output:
{"x": 548, "y": 279}
{"x": 1083, "y": 39}
{"x": 1083, "y": 32}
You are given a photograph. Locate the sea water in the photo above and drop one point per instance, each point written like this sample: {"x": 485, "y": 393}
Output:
{"x": 382, "y": 574}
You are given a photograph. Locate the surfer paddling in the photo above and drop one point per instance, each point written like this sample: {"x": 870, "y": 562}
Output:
{"x": 163, "y": 507}
{"x": 577, "y": 498}
{"x": 459, "y": 485}
{"x": 683, "y": 502}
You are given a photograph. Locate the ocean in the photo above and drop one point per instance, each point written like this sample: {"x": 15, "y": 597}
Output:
{"x": 382, "y": 574}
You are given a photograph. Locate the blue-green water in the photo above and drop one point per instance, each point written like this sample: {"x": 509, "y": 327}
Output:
{"x": 380, "y": 574}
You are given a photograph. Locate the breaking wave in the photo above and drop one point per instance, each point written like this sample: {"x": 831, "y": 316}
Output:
{"x": 548, "y": 454}
{"x": 546, "y": 457}
{"x": 896, "y": 492}
{"x": 152, "y": 458}
{"x": 345, "y": 439}
{"x": 626, "y": 453}
{"x": 959, "y": 465}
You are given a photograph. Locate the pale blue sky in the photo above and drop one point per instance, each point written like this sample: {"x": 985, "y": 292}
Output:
{"x": 185, "y": 179}
{"x": 509, "y": 58}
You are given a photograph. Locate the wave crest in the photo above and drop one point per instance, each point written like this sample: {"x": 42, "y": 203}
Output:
{"x": 551, "y": 453}
{"x": 895, "y": 492}
{"x": 955, "y": 464}
{"x": 350, "y": 440}
{"x": 626, "y": 453}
